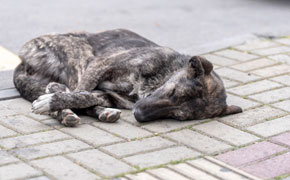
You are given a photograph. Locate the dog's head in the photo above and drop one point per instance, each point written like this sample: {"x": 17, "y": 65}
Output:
{"x": 195, "y": 92}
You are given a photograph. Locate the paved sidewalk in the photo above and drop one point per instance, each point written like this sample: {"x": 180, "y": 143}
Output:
{"x": 251, "y": 145}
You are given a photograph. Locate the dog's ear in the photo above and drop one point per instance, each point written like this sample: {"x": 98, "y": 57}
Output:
{"x": 207, "y": 66}
{"x": 231, "y": 110}
{"x": 198, "y": 66}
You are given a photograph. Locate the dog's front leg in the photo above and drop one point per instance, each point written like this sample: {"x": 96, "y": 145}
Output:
{"x": 65, "y": 116}
{"x": 69, "y": 100}
{"x": 104, "y": 114}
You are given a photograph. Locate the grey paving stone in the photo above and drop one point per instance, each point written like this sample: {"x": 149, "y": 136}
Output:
{"x": 255, "y": 64}
{"x": 138, "y": 146}
{"x": 18, "y": 105}
{"x": 236, "y": 75}
{"x": 281, "y": 58}
{"x": 141, "y": 176}
{"x": 256, "y": 44}
{"x": 192, "y": 172}
{"x": 272, "y": 96}
{"x": 24, "y": 124}
{"x": 4, "y": 112}
{"x": 253, "y": 116}
{"x": 17, "y": 171}
{"x": 87, "y": 119}
{"x": 272, "y": 70}
{"x": 254, "y": 87}
{"x": 92, "y": 135}
{"x": 272, "y": 127}
{"x": 285, "y": 79}
{"x": 123, "y": 129}
{"x": 6, "y": 158}
{"x": 64, "y": 169}
{"x": 285, "y": 41}
{"x": 219, "y": 171}
{"x": 226, "y": 133}
{"x": 243, "y": 103}
{"x": 31, "y": 139}
{"x": 39, "y": 178}
{"x": 6, "y": 79}
{"x": 5, "y": 132}
{"x": 285, "y": 105}
{"x": 273, "y": 50}
{"x": 237, "y": 55}
{"x": 167, "y": 125}
{"x": 218, "y": 60}
{"x": 128, "y": 116}
{"x": 38, "y": 116}
{"x": 164, "y": 173}
{"x": 100, "y": 162}
{"x": 229, "y": 83}
{"x": 162, "y": 156}
{"x": 198, "y": 141}
{"x": 51, "y": 149}
{"x": 8, "y": 94}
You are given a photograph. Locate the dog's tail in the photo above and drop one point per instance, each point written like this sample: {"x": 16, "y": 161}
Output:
{"x": 29, "y": 86}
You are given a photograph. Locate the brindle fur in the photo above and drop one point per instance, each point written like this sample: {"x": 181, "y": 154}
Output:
{"x": 117, "y": 69}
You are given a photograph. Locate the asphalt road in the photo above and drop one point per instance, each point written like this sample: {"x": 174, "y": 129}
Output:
{"x": 190, "y": 26}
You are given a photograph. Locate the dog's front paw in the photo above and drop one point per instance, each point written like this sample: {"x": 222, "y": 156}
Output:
{"x": 42, "y": 104}
{"x": 110, "y": 115}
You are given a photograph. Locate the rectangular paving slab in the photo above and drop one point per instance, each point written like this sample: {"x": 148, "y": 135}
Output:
{"x": 51, "y": 149}
{"x": 64, "y": 169}
{"x": 123, "y": 129}
{"x": 92, "y": 135}
{"x": 272, "y": 96}
{"x": 5, "y": 132}
{"x": 165, "y": 173}
{"x": 162, "y": 157}
{"x": 276, "y": 166}
{"x": 6, "y": 158}
{"x": 236, "y": 75}
{"x": 18, "y": 171}
{"x": 31, "y": 139}
{"x": 192, "y": 172}
{"x": 226, "y": 133}
{"x": 255, "y": 64}
{"x": 254, "y": 87}
{"x": 236, "y": 55}
{"x": 271, "y": 127}
{"x": 198, "y": 141}
{"x": 253, "y": 116}
{"x": 282, "y": 138}
{"x": 250, "y": 153}
{"x": 138, "y": 146}
{"x": 24, "y": 124}
{"x": 100, "y": 162}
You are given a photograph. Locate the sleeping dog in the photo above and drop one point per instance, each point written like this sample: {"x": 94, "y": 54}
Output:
{"x": 98, "y": 74}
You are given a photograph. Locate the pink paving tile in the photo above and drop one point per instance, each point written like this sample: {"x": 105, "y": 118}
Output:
{"x": 250, "y": 153}
{"x": 282, "y": 138}
{"x": 270, "y": 168}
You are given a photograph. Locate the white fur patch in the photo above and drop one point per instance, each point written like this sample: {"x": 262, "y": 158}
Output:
{"x": 42, "y": 104}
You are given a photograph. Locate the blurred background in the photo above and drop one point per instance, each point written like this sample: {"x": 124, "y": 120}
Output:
{"x": 189, "y": 26}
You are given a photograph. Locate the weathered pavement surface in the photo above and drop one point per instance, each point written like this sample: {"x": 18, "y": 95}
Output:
{"x": 241, "y": 146}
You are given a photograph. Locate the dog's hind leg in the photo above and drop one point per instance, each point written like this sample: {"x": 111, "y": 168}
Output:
{"x": 65, "y": 116}
{"x": 96, "y": 104}
{"x": 29, "y": 86}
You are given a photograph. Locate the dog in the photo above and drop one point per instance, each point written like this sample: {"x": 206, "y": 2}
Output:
{"x": 100, "y": 73}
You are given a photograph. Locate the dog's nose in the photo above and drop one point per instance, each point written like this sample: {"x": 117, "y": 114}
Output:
{"x": 139, "y": 115}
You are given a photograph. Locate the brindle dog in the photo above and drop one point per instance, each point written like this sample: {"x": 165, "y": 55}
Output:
{"x": 101, "y": 73}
